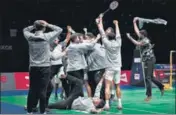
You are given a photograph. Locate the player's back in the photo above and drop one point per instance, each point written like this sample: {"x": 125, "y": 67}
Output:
{"x": 39, "y": 50}
{"x": 76, "y": 58}
{"x": 113, "y": 53}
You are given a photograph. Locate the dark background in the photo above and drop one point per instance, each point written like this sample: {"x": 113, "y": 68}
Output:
{"x": 17, "y": 14}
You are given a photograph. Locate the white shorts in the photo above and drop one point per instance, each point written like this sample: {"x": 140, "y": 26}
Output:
{"x": 113, "y": 75}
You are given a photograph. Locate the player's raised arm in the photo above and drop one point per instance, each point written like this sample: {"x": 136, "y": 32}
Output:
{"x": 27, "y": 32}
{"x": 69, "y": 30}
{"x": 136, "y": 29}
{"x": 56, "y": 30}
{"x": 117, "y": 30}
{"x": 99, "y": 22}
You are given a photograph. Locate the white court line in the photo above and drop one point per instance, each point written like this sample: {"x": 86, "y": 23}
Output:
{"x": 142, "y": 110}
{"x": 80, "y": 111}
{"x": 168, "y": 94}
{"x": 143, "y": 102}
{"x": 107, "y": 112}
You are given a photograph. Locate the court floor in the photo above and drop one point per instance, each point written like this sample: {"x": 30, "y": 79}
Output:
{"x": 12, "y": 102}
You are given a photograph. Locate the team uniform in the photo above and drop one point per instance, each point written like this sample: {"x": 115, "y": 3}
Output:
{"x": 39, "y": 68}
{"x": 83, "y": 104}
{"x": 113, "y": 62}
{"x": 96, "y": 65}
{"x": 113, "y": 58}
{"x": 76, "y": 65}
{"x": 76, "y": 59}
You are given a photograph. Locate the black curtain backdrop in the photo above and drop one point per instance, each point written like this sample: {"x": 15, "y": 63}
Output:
{"x": 17, "y": 14}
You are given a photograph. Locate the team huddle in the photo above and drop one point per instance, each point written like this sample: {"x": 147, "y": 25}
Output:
{"x": 81, "y": 59}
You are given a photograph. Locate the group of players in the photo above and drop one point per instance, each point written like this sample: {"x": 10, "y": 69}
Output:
{"x": 80, "y": 59}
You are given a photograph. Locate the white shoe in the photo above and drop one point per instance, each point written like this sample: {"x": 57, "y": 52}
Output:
{"x": 106, "y": 107}
{"x": 119, "y": 107}
{"x": 30, "y": 113}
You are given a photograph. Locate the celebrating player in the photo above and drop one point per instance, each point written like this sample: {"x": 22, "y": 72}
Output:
{"x": 148, "y": 59}
{"x": 112, "y": 43}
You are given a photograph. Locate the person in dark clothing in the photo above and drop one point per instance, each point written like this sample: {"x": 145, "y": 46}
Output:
{"x": 75, "y": 92}
{"x": 56, "y": 61}
{"x": 75, "y": 57}
{"x": 95, "y": 67}
{"x": 76, "y": 101}
{"x": 148, "y": 59}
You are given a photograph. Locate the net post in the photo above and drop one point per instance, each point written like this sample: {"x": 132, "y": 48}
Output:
{"x": 171, "y": 67}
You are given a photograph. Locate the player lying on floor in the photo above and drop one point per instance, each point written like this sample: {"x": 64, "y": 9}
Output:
{"x": 76, "y": 102}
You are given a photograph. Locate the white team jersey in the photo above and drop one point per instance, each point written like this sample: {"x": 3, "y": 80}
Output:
{"x": 113, "y": 52}
{"x": 83, "y": 104}
{"x": 75, "y": 54}
{"x": 96, "y": 58}
{"x": 58, "y": 50}
{"x": 39, "y": 47}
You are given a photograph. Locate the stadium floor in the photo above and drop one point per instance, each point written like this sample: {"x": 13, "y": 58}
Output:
{"x": 12, "y": 102}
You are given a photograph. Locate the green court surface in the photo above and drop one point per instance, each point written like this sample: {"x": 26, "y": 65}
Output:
{"x": 133, "y": 103}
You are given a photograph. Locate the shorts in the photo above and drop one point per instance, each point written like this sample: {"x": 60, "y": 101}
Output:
{"x": 113, "y": 75}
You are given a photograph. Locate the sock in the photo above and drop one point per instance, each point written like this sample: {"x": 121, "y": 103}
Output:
{"x": 112, "y": 92}
{"x": 119, "y": 102}
{"x": 97, "y": 90}
{"x": 107, "y": 103}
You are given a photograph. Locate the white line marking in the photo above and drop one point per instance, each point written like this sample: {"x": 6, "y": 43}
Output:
{"x": 141, "y": 110}
{"x": 144, "y": 111}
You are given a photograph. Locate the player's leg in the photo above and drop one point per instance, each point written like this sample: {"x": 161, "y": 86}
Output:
{"x": 43, "y": 84}
{"x": 63, "y": 83}
{"x": 50, "y": 87}
{"x": 56, "y": 83}
{"x": 87, "y": 83}
{"x": 154, "y": 80}
{"x": 117, "y": 75}
{"x": 108, "y": 82}
{"x": 95, "y": 78}
{"x": 148, "y": 80}
{"x": 65, "y": 87}
{"x": 75, "y": 93}
{"x": 32, "y": 99}
{"x": 113, "y": 88}
{"x": 98, "y": 81}
{"x": 79, "y": 75}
